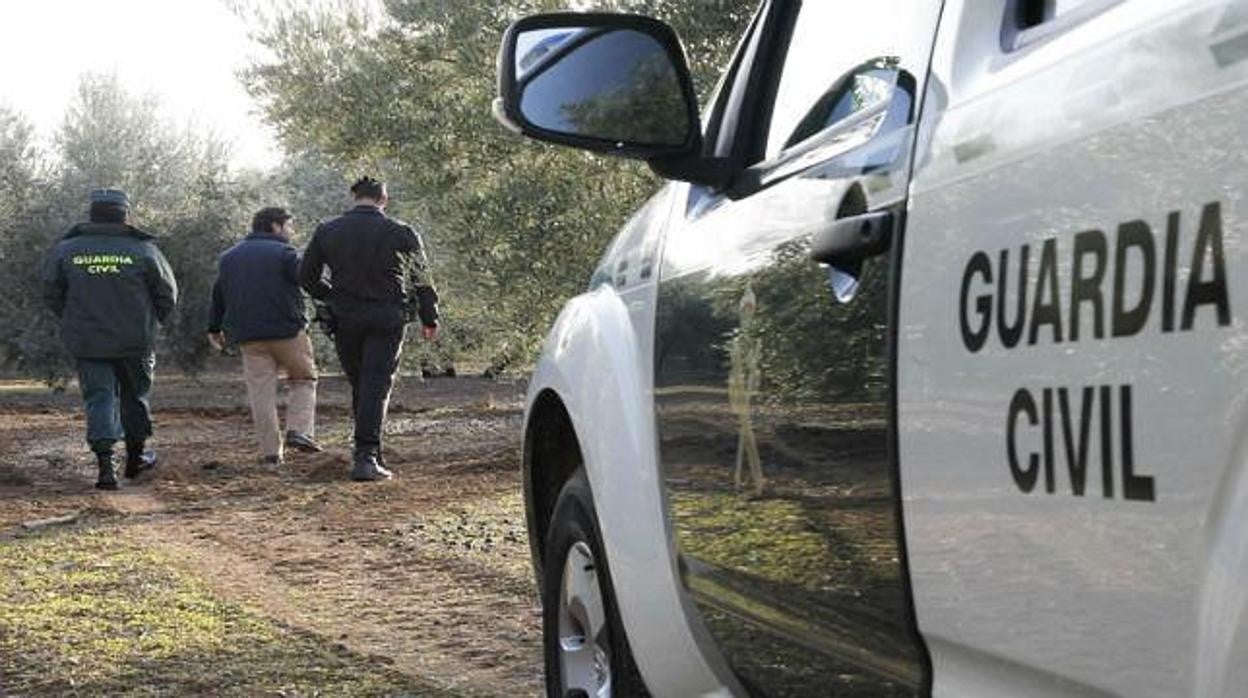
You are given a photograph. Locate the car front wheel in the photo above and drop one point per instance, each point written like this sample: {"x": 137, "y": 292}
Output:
{"x": 587, "y": 654}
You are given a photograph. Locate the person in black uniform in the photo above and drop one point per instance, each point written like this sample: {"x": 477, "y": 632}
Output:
{"x": 109, "y": 284}
{"x": 378, "y": 282}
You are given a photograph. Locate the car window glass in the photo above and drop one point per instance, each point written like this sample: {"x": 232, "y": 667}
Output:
{"x": 838, "y": 64}
{"x": 868, "y": 86}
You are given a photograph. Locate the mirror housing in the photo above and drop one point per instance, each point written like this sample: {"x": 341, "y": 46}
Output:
{"x": 616, "y": 84}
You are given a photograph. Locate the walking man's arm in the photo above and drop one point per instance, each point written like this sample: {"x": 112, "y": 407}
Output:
{"x": 421, "y": 291}
{"x": 54, "y": 284}
{"x": 162, "y": 285}
{"x": 312, "y": 270}
{"x": 291, "y": 267}
{"x": 216, "y": 316}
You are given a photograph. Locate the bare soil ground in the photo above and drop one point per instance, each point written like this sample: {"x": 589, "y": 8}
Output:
{"x": 418, "y": 586}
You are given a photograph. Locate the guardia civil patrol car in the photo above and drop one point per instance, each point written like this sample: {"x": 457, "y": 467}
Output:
{"x": 926, "y": 373}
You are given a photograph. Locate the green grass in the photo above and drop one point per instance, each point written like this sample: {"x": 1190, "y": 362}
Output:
{"x": 84, "y": 613}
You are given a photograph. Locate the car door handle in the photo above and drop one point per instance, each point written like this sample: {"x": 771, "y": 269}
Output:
{"x": 847, "y": 241}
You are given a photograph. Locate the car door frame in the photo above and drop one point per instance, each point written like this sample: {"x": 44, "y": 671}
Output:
{"x": 745, "y": 108}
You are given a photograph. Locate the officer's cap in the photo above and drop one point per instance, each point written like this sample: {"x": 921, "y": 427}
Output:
{"x": 110, "y": 197}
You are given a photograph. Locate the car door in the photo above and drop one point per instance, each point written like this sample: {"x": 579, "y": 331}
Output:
{"x": 773, "y": 371}
{"x": 1072, "y": 364}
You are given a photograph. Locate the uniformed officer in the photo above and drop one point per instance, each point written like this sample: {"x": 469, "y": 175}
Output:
{"x": 378, "y": 282}
{"x": 110, "y": 285}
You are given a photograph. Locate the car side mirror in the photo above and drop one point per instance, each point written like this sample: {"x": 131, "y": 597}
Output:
{"x": 611, "y": 83}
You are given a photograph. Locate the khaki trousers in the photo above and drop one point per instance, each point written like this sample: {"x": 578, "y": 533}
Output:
{"x": 262, "y": 361}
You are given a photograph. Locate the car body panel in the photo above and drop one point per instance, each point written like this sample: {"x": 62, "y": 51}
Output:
{"x": 1121, "y": 132}
{"x": 606, "y": 334}
{"x": 773, "y": 391}
{"x": 812, "y": 553}
{"x": 1120, "y": 127}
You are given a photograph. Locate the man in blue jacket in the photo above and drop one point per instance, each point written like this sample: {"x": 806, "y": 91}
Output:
{"x": 109, "y": 284}
{"x": 256, "y": 301}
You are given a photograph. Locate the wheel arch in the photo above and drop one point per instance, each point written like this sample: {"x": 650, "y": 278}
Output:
{"x": 591, "y": 388}
{"x": 552, "y": 454}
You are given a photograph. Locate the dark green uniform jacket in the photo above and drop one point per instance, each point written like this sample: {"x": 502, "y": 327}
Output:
{"x": 110, "y": 285}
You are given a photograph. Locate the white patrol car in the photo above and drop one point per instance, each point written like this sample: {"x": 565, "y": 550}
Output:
{"x": 928, "y": 371}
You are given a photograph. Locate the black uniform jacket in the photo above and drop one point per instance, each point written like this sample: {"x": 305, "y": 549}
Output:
{"x": 371, "y": 258}
{"x": 110, "y": 285}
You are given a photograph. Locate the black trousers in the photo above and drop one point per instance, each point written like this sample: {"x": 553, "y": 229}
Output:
{"x": 369, "y": 340}
{"x": 115, "y": 395}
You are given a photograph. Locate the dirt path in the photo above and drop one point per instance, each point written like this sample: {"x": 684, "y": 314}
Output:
{"x": 427, "y": 575}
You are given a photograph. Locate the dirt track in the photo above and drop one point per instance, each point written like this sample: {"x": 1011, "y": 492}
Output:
{"x": 427, "y": 575}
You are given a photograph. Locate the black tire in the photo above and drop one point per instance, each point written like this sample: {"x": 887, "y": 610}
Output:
{"x": 575, "y": 521}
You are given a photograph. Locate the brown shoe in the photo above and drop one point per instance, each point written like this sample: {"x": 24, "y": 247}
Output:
{"x": 302, "y": 442}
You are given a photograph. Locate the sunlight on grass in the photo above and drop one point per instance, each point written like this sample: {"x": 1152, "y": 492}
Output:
{"x": 82, "y": 613}
{"x": 22, "y": 387}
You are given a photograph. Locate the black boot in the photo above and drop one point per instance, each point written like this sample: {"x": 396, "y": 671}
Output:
{"x": 367, "y": 469}
{"x": 108, "y": 471}
{"x": 137, "y": 459}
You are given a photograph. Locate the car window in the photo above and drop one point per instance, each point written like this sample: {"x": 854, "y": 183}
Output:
{"x": 866, "y": 87}
{"x": 842, "y": 60}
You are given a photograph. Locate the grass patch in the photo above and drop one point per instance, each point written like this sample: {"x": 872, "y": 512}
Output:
{"x": 84, "y": 613}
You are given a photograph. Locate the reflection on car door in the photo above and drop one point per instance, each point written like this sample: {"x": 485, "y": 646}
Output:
{"x": 773, "y": 373}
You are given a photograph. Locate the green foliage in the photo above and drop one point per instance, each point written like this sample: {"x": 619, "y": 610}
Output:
{"x": 29, "y": 336}
{"x": 312, "y": 188}
{"x": 181, "y": 191}
{"x": 515, "y": 227}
